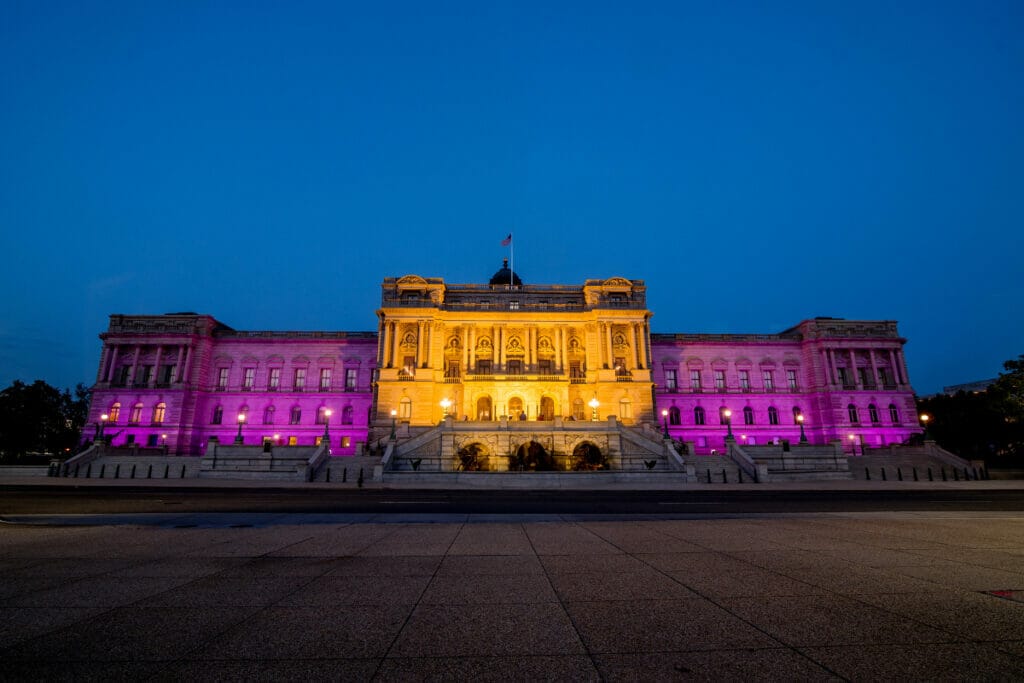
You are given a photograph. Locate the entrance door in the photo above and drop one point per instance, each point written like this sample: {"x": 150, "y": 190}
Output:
{"x": 547, "y": 408}
{"x": 483, "y": 409}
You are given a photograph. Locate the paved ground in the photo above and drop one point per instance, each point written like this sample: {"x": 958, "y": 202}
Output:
{"x": 221, "y": 596}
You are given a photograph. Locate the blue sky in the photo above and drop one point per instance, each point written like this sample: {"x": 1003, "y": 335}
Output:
{"x": 270, "y": 163}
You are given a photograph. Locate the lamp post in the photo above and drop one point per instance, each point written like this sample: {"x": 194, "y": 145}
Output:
{"x": 277, "y": 438}
{"x": 164, "y": 437}
{"x": 394, "y": 413}
{"x": 100, "y": 426}
{"x": 853, "y": 444}
{"x": 664, "y": 417}
{"x": 924, "y": 423}
{"x": 800, "y": 421}
{"x": 327, "y": 426}
{"x": 728, "y": 423}
{"x": 593, "y": 403}
{"x": 445, "y": 404}
{"x": 241, "y": 421}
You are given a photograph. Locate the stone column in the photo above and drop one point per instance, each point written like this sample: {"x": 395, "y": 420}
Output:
{"x": 135, "y": 363}
{"x": 608, "y": 341}
{"x": 465, "y": 349}
{"x": 499, "y": 350}
{"x": 385, "y": 336}
{"x": 471, "y": 336}
{"x": 835, "y": 368}
{"x": 186, "y": 371}
{"x": 113, "y": 362}
{"x": 893, "y": 369}
{"x": 419, "y": 343}
{"x": 901, "y": 363}
{"x": 394, "y": 343}
{"x": 637, "y": 360}
{"x": 853, "y": 366}
{"x": 874, "y": 367}
{"x": 156, "y": 365}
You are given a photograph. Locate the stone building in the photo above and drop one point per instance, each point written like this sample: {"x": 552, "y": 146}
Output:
{"x": 498, "y": 352}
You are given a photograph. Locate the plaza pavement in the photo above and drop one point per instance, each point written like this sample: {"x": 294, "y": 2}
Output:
{"x": 860, "y": 596}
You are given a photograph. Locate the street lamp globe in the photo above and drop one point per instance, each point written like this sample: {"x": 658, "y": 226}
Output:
{"x": 664, "y": 417}
{"x": 593, "y": 403}
{"x": 445, "y": 404}
{"x": 728, "y": 423}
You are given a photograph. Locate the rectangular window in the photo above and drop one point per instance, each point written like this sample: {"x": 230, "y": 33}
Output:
{"x": 791, "y": 380}
{"x": 864, "y": 374}
{"x": 274, "y": 380}
{"x": 576, "y": 370}
{"x": 145, "y": 374}
{"x": 293, "y": 441}
{"x": 222, "y": 378}
{"x": 325, "y": 379}
{"x": 248, "y": 378}
{"x": 883, "y": 377}
{"x": 515, "y": 367}
{"x": 408, "y": 366}
{"x": 769, "y": 380}
{"x": 513, "y": 305}
{"x": 620, "y": 365}
{"x": 483, "y": 367}
{"x": 625, "y": 410}
{"x": 671, "y": 381}
{"x": 165, "y": 375}
{"x": 719, "y": 379}
{"x": 745, "y": 380}
{"x": 346, "y": 442}
{"x": 695, "y": 380}
{"x": 122, "y": 376}
{"x": 844, "y": 378}
{"x": 295, "y": 416}
{"x": 544, "y": 367}
{"x": 351, "y": 374}
{"x": 300, "y": 379}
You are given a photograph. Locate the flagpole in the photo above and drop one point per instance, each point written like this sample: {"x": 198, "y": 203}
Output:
{"x": 511, "y": 261}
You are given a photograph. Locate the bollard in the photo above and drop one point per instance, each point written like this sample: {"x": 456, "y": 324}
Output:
{"x": 709, "y": 475}
{"x": 88, "y": 471}
{"x": 956, "y": 474}
{"x": 182, "y": 471}
{"x": 867, "y": 474}
{"x": 967, "y": 474}
{"x": 360, "y": 480}
{"x": 883, "y": 475}
{"x": 328, "y": 479}
{"x": 915, "y": 474}
{"x": 76, "y": 471}
{"x": 167, "y": 468}
{"x": 899, "y": 473}
{"x": 930, "y": 477}
{"x": 344, "y": 474}
{"x": 739, "y": 476}
{"x": 149, "y": 472}
{"x": 102, "y": 468}
{"x": 943, "y": 470}
{"x": 133, "y": 471}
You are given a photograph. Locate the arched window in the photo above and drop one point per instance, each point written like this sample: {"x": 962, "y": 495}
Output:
{"x": 405, "y": 408}
{"x": 577, "y": 409}
{"x": 268, "y": 415}
{"x": 722, "y": 419}
{"x": 698, "y": 416}
{"x": 873, "y": 413}
{"x": 673, "y": 416}
{"x": 796, "y": 413}
{"x": 625, "y": 409}
{"x": 159, "y": 411}
{"x": 773, "y": 415}
{"x": 136, "y": 415}
{"x": 346, "y": 415}
{"x": 321, "y": 415}
{"x": 748, "y": 415}
{"x": 218, "y": 415}
{"x": 295, "y": 416}
{"x": 894, "y": 414}
{"x": 114, "y": 414}
{"x": 852, "y": 410}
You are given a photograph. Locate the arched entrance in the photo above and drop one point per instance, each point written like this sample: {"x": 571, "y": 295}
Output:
{"x": 588, "y": 457}
{"x": 472, "y": 458}
{"x": 531, "y": 457}
{"x": 515, "y": 408}
{"x": 483, "y": 409}
{"x": 547, "y": 408}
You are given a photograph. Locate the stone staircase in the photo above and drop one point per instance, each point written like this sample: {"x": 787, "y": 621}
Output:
{"x": 279, "y": 463}
{"x": 720, "y": 468}
{"x": 345, "y": 470}
{"x": 798, "y": 462}
{"x": 896, "y": 463}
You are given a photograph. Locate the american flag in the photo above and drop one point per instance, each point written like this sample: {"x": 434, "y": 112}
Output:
{"x": 507, "y": 241}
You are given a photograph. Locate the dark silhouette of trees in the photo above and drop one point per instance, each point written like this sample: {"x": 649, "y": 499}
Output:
{"x": 985, "y": 424}
{"x": 39, "y": 418}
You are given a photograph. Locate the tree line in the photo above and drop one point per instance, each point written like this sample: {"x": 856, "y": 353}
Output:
{"x": 40, "y": 420}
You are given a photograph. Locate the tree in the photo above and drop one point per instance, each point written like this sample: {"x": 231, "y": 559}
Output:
{"x": 984, "y": 424}
{"x": 39, "y": 418}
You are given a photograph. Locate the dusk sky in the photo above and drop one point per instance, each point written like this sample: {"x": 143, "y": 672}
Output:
{"x": 756, "y": 164}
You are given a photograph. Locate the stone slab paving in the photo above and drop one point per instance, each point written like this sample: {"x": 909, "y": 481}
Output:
{"x": 857, "y": 596}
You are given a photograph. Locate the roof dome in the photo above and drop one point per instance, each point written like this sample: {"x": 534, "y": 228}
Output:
{"x": 505, "y": 276}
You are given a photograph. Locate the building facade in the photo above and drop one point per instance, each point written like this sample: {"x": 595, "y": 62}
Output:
{"x": 504, "y": 349}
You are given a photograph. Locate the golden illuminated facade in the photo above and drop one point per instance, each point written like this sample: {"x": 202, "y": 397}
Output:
{"x": 505, "y": 350}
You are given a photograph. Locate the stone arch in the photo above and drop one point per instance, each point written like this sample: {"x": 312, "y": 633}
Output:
{"x": 587, "y": 457}
{"x": 472, "y": 457}
{"x": 531, "y": 457}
